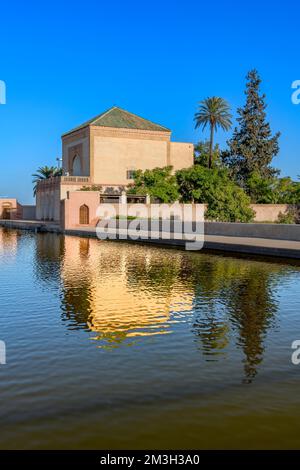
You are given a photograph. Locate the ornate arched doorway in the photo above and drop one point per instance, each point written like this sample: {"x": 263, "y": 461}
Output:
{"x": 76, "y": 166}
{"x": 84, "y": 215}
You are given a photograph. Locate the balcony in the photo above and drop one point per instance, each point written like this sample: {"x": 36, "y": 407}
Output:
{"x": 75, "y": 179}
{"x": 57, "y": 180}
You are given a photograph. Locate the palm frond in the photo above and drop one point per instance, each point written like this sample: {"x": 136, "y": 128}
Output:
{"x": 45, "y": 172}
{"x": 214, "y": 111}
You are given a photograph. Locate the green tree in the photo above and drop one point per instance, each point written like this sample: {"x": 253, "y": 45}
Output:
{"x": 272, "y": 190}
{"x": 45, "y": 172}
{"x": 252, "y": 146}
{"x": 288, "y": 191}
{"x": 261, "y": 190}
{"x": 159, "y": 183}
{"x": 201, "y": 154}
{"x": 227, "y": 202}
{"x": 213, "y": 112}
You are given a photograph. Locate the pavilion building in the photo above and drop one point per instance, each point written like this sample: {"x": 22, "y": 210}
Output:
{"x": 105, "y": 151}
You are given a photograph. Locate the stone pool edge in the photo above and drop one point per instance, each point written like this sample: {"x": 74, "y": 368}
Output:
{"x": 240, "y": 245}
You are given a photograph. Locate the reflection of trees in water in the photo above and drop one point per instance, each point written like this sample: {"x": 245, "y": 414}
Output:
{"x": 229, "y": 295}
{"x": 214, "y": 334}
{"x": 49, "y": 255}
{"x": 235, "y": 294}
{"x": 252, "y": 312}
{"x": 213, "y": 276}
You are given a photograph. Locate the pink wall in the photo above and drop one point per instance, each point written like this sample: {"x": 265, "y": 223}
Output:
{"x": 71, "y": 205}
{"x": 270, "y": 212}
{"x": 70, "y": 209}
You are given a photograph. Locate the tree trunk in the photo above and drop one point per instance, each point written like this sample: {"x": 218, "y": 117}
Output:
{"x": 211, "y": 142}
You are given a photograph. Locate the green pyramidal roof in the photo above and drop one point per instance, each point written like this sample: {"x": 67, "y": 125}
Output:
{"x": 120, "y": 118}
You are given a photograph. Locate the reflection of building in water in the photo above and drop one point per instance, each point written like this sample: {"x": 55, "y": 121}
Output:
{"x": 8, "y": 242}
{"x": 120, "y": 291}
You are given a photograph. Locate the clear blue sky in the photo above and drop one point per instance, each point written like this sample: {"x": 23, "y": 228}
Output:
{"x": 64, "y": 62}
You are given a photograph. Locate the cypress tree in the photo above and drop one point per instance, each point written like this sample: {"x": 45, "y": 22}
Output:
{"x": 252, "y": 146}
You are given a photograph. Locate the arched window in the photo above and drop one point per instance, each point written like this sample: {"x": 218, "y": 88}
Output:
{"x": 84, "y": 216}
{"x": 76, "y": 166}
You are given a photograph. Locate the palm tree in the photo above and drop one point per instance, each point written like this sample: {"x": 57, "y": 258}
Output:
{"x": 43, "y": 173}
{"x": 214, "y": 112}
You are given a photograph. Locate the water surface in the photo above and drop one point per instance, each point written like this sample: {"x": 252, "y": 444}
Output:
{"x": 117, "y": 345}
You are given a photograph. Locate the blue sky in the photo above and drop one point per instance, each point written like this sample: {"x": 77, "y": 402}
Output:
{"x": 64, "y": 62}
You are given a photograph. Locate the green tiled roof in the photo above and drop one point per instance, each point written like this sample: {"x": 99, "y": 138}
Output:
{"x": 122, "y": 119}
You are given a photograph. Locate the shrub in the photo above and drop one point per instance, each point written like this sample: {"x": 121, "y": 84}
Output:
{"x": 287, "y": 218}
{"x": 272, "y": 190}
{"x": 159, "y": 183}
{"x": 227, "y": 202}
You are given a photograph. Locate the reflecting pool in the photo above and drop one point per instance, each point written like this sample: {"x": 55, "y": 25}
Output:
{"x": 119, "y": 345}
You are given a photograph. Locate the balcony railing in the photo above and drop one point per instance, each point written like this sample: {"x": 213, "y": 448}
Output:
{"x": 75, "y": 179}
{"x": 65, "y": 179}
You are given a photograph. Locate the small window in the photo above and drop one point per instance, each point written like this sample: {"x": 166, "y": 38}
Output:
{"x": 130, "y": 174}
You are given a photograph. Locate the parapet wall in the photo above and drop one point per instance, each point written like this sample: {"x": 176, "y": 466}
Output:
{"x": 270, "y": 212}
{"x": 258, "y": 230}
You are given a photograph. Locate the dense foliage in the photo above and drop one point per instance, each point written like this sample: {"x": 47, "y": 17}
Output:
{"x": 272, "y": 190}
{"x": 226, "y": 201}
{"x": 202, "y": 154}
{"x": 159, "y": 183}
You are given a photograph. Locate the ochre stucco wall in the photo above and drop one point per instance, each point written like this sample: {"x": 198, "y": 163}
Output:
{"x": 114, "y": 151}
{"x": 106, "y": 154}
{"x": 181, "y": 155}
{"x": 113, "y": 156}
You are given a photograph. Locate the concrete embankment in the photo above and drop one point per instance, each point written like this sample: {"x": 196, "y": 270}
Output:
{"x": 31, "y": 225}
{"x": 243, "y": 245}
{"x": 253, "y": 239}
